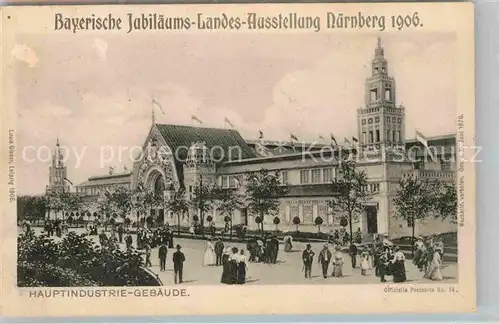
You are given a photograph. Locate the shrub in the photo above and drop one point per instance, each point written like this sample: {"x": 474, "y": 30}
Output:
{"x": 75, "y": 261}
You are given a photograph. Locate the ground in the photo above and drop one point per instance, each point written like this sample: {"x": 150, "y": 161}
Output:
{"x": 288, "y": 270}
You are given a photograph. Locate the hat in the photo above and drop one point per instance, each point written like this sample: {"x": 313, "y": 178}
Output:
{"x": 308, "y": 245}
{"x": 325, "y": 245}
{"x": 178, "y": 246}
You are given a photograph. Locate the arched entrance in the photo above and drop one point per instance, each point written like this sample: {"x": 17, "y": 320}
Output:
{"x": 371, "y": 219}
{"x": 156, "y": 183}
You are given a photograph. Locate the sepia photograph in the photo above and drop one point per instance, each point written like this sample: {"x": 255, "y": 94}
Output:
{"x": 244, "y": 159}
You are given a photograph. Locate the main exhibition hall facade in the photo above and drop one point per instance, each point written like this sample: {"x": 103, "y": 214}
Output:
{"x": 209, "y": 157}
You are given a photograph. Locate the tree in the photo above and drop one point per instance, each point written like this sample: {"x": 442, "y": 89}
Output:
{"x": 276, "y": 222}
{"x": 318, "y": 222}
{"x": 343, "y": 221}
{"x": 178, "y": 206}
{"x": 446, "y": 203}
{"x": 296, "y": 221}
{"x": 202, "y": 201}
{"x": 351, "y": 194}
{"x": 263, "y": 191}
{"x": 226, "y": 202}
{"x": 258, "y": 221}
{"x": 414, "y": 201}
{"x": 33, "y": 208}
{"x": 145, "y": 200}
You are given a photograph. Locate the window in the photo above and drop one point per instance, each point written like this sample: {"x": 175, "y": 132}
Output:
{"x": 327, "y": 175}
{"x": 225, "y": 182}
{"x": 371, "y": 137}
{"x": 377, "y": 135}
{"x": 399, "y": 120}
{"x": 394, "y": 136}
{"x": 377, "y": 119}
{"x": 373, "y": 94}
{"x": 388, "y": 136}
{"x": 363, "y": 138}
{"x": 304, "y": 176}
{"x": 284, "y": 177}
{"x": 370, "y": 121}
{"x": 232, "y": 182}
{"x": 387, "y": 93}
{"x": 376, "y": 187}
{"x": 394, "y": 119}
{"x": 190, "y": 189}
{"x": 363, "y": 122}
{"x": 445, "y": 165}
{"x": 399, "y": 136}
{"x": 388, "y": 119}
{"x": 316, "y": 175}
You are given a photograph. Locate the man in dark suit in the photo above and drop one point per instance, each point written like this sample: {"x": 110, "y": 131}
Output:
{"x": 178, "y": 259}
{"x": 219, "y": 250}
{"x": 353, "y": 251}
{"x": 307, "y": 258}
{"x": 324, "y": 258}
{"x": 162, "y": 255}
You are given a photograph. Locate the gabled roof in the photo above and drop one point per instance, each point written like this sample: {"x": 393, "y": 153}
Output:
{"x": 104, "y": 180}
{"x": 179, "y": 138}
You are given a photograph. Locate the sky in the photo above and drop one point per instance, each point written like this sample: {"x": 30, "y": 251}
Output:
{"x": 95, "y": 93}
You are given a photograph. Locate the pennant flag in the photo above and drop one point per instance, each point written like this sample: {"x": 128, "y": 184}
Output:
{"x": 125, "y": 169}
{"x": 421, "y": 138}
{"x": 293, "y": 137}
{"x": 354, "y": 139}
{"x": 347, "y": 141}
{"x": 227, "y": 121}
{"x": 322, "y": 138}
{"x": 261, "y": 135}
{"x": 69, "y": 181}
{"x": 333, "y": 139}
{"x": 111, "y": 169}
{"x": 157, "y": 104}
{"x": 193, "y": 117}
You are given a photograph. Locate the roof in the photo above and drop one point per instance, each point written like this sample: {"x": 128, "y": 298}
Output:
{"x": 179, "y": 138}
{"x": 446, "y": 139}
{"x": 103, "y": 180}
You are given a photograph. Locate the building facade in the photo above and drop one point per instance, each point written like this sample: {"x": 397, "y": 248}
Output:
{"x": 184, "y": 157}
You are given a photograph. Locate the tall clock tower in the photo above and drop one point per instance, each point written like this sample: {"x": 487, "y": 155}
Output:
{"x": 380, "y": 122}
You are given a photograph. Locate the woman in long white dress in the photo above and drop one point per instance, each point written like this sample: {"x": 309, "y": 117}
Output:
{"x": 209, "y": 258}
{"x": 434, "y": 270}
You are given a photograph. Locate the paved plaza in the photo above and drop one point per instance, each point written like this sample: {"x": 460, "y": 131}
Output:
{"x": 288, "y": 270}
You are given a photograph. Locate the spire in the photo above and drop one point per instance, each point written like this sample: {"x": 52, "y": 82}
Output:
{"x": 379, "y": 51}
{"x": 57, "y": 141}
{"x": 153, "y": 114}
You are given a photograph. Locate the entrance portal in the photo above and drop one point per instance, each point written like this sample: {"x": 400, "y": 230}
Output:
{"x": 371, "y": 219}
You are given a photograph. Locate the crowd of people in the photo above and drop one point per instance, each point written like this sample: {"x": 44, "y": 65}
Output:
{"x": 383, "y": 256}
{"x": 233, "y": 261}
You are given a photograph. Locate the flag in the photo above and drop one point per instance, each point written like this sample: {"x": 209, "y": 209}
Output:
{"x": 347, "y": 141}
{"x": 354, "y": 139}
{"x": 293, "y": 137}
{"x": 226, "y": 120}
{"x": 322, "y": 138}
{"x": 157, "y": 104}
{"x": 125, "y": 169}
{"x": 193, "y": 117}
{"x": 111, "y": 169}
{"x": 421, "y": 138}
{"x": 261, "y": 135}
{"x": 333, "y": 139}
{"x": 69, "y": 181}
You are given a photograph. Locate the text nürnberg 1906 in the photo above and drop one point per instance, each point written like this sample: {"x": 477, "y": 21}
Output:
{"x": 107, "y": 293}
{"x": 250, "y": 21}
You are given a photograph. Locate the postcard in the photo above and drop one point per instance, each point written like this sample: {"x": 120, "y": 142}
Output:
{"x": 237, "y": 159}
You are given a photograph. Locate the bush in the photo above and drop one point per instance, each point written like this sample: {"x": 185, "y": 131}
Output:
{"x": 75, "y": 261}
